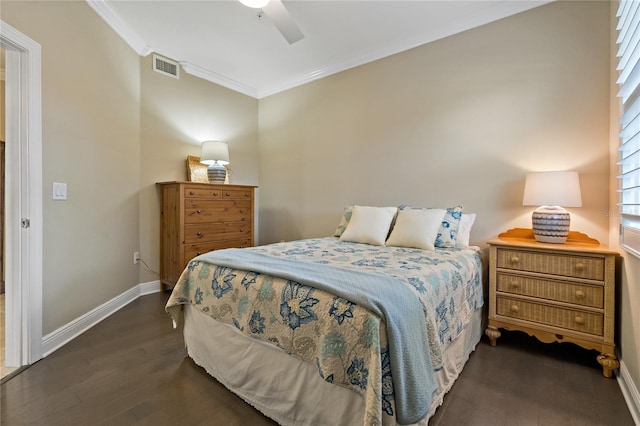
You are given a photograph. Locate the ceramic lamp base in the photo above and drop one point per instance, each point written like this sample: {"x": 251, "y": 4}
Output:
{"x": 216, "y": 173}
{"x": 551, "y": 224}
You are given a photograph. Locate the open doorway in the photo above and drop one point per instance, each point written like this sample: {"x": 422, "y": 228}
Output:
{"x": 23, "y": 198}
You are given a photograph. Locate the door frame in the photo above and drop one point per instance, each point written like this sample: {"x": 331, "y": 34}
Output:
{"x": 23, "y": 198}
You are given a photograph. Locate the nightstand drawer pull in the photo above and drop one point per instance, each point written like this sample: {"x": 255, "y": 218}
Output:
{"x": 580, "y": 294}
{"x": 579, "y": 267}
{"x": 515, "y": 285}
{"x": 228, "y": 194}
{"x": 191, "y": 193}
{"x": 515, "y": 259}
{"x": 198, "y": 211}
{"x": 199, "y": 234}
{"x": 579, "y": 320}
{"x": 515, "y": 309}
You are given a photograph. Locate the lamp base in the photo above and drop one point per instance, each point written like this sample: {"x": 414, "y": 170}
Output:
{"x": 216, "y": 173}
{"x": 551, "y": 224}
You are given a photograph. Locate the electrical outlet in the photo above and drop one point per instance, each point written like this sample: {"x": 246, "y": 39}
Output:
{"x": 136, "y": 257}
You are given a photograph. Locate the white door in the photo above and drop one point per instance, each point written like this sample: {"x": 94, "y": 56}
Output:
{"x": 23, "y": 198}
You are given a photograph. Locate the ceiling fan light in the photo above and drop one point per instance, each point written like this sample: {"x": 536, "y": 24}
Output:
{"x": 256, "y": 4}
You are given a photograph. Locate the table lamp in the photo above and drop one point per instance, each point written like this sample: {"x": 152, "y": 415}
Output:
{"x": 552, "y": 191}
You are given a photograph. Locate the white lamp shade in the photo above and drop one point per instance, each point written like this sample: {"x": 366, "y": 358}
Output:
{"x": 214, "y": 152}
{"x": 552, "y": 189}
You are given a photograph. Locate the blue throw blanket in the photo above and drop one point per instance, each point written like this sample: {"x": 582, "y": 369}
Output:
{"x": 389, "y": 298}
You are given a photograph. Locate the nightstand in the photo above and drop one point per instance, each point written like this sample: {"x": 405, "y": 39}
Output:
{"x": 555, "y": 292}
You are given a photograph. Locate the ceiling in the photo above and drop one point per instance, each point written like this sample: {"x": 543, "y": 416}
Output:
{"x": 238, "y": 47}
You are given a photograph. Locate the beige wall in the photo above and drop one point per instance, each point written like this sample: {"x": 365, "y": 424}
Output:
{"x": 176, "y": 116}
{"x": 460, "y": 120}
{"x": 112, "y": 128}
{"x": 628, "y": 315}
{"x": 90, "y": 123}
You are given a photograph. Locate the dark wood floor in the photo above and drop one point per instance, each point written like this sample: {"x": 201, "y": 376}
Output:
{"x": 132, "y": 369}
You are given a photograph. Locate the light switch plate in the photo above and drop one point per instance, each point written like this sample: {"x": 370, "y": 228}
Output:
{"x": 59, "y": 191}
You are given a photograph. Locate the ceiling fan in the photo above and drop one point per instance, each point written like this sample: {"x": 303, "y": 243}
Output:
{"x": 280, "y": 16}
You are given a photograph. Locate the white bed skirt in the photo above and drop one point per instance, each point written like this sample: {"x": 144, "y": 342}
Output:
{"x": 291, "y": 391}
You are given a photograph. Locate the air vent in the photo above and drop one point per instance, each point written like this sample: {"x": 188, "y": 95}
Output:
{"x": 166, "y": 66}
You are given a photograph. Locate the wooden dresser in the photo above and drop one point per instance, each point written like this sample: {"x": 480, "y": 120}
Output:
{"x": 200, "y": 217}
{"x": 555, "y": 292}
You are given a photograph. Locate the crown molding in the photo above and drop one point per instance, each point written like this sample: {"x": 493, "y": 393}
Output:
{"x": 220, "y": 79}
{"x": 106, "y": 12}
{"x": 110, "y": 16}
{"x": 484, "y": 17}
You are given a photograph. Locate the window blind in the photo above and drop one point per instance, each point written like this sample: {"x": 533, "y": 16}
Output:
{"x": 628, "y": 41}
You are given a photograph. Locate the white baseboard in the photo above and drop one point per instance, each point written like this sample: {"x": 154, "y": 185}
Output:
{"x": 73, "y": 329}
{"x": 150, "y": 288}
{"x": 630, "y": 392}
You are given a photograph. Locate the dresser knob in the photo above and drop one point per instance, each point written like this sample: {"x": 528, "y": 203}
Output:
{"x": 580, "y": 294}
{"x": 241, "y": 210}
{"x": 198, "y": 254}
{"x": 579, "y": 267}
{"x": 579, "y": 320}
{"x": 246, "y": 194}
{"x": 198, "y": 211}
{"x": 191, "y": 193}
{"x": 228, "y": 194}
{"x": 515, "y": 259}
{"x": 515, "y": 309}
{"x": 215, "y": 194}
{"x": 241, "y": 229}
{"x": 515, "y": 285}
{"x": 199, "y": 234}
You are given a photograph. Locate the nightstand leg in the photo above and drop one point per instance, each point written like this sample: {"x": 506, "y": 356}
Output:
{"x": 608, "y": 362}
{"x": 493, "y": 333}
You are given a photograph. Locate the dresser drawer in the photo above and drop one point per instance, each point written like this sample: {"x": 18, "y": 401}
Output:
{"x": 201, "y": 192}
{"x": 237, "y": 194}
{"x": 203, "y": 211}
{"x": 572, "y": 319}
{"x": 579, "y": 294}
{"x": 193, "y": 250}
{"x": 216, "y": 232}
{"x": 556, "y": 264}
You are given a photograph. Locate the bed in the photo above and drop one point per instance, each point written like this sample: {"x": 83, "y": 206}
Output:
{"x": 329, "y": 331}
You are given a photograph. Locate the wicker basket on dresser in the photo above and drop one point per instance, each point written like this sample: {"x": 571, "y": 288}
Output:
{"x": 555, "y": 292}
{"x": 200, "y": 217}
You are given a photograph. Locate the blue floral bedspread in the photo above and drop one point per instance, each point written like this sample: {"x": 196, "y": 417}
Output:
{"x": 347, "y": 343}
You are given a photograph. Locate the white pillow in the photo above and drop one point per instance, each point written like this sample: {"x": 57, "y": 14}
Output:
{"x": 416, "y": 228}
{"x": 464, "y": 231}
{"x": 369, "y": 225}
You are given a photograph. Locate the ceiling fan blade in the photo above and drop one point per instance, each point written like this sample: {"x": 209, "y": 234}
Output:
{"x": 282, "y": 19}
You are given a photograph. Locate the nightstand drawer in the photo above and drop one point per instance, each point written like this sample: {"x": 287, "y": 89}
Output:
{"x": 579, "y": 294}
{"x": 571, "y": 319}
{"x": 556, "y": 264}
